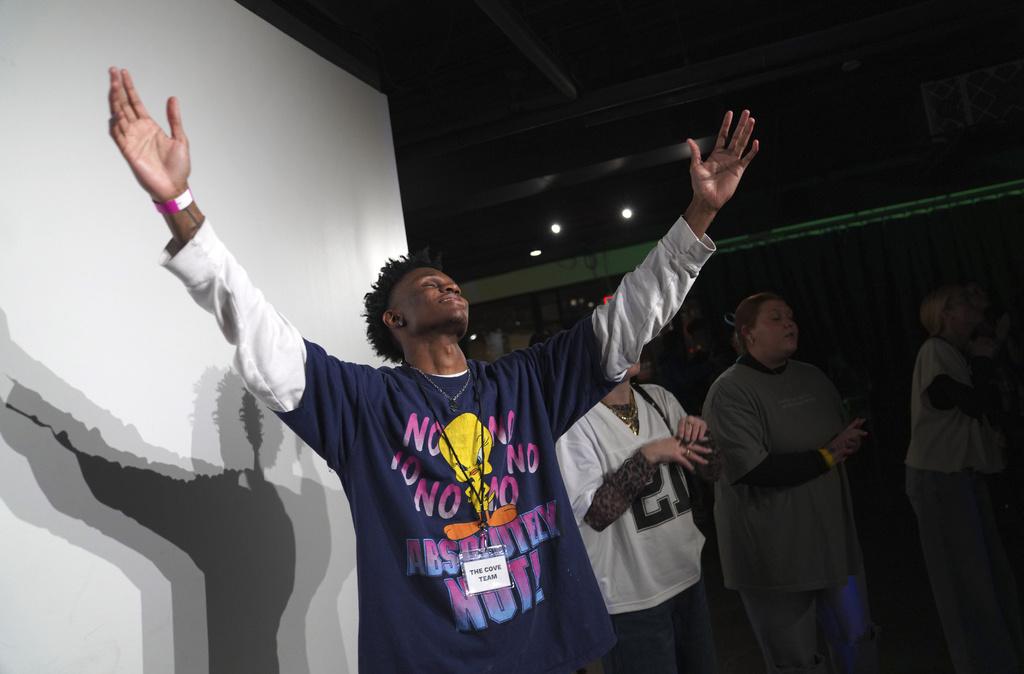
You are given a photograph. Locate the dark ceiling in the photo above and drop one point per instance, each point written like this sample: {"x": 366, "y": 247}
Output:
{"x": 509, "y": 115}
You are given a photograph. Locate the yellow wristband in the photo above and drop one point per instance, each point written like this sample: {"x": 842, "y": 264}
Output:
{"x": 828, "y": 458}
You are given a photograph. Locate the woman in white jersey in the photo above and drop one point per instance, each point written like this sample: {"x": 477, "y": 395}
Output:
{"x": 623, "y": 466}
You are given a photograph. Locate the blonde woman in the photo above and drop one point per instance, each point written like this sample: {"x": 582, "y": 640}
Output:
{"x": 952, "y": 447}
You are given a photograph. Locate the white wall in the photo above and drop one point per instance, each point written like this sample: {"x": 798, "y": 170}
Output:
{"x": 293, "y": 164}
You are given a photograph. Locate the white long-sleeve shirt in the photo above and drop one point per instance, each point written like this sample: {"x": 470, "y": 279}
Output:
{"x": 270, "y": 352}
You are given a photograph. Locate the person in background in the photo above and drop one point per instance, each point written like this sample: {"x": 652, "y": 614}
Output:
{"x": 783, "y": 510}
{"x": 624, "y": 468}
{"x": 1006, "y": 487}
{"x": 703, "y": 337}
{"x": 952, "y": 449}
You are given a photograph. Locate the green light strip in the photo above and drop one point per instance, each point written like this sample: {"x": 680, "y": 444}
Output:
{"x": 861, "y": 218}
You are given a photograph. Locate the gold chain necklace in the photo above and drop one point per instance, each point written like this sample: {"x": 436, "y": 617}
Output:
{"x": 630, "y": 418}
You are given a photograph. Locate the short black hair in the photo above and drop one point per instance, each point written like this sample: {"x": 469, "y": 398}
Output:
{"x": 376, "y": 302}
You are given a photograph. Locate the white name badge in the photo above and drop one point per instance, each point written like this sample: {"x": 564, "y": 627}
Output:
{"x": 485, "y": 569}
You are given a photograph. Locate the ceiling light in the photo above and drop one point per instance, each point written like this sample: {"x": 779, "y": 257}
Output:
{"x": 556, "y": 228}
{"x": 627, "y": 213}
{"x": 534, "y": 253}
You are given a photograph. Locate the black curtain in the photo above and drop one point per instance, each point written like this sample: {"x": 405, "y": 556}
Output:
{"x": 856, "y": 292}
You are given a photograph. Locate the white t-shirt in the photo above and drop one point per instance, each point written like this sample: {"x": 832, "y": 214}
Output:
{"x": 946, "y": 440}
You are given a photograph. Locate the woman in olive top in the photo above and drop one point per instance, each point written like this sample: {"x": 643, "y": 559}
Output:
{"x": 782, "y": 508}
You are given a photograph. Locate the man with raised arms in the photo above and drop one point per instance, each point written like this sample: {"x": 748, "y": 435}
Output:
{"x": 468, "y": 556}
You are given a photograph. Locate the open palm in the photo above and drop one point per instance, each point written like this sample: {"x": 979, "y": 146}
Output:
{"x": 714, "y": 179}
{"x": 160, "y": 162}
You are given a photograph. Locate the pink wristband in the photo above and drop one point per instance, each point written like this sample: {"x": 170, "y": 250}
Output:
{"x": 179, "y": 203}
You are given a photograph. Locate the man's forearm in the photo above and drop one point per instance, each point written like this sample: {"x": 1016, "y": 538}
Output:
{"x": 270, "y": 353}
{"x": 183, "y": 225}
{"x": 699, "y": 216}
{"x": 649, "y": 296}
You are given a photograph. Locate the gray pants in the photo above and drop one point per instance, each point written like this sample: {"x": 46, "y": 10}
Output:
{"x": 971, "y": 579}
{"x": 785, "y": 625}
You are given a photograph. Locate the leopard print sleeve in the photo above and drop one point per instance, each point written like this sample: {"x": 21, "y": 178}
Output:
{"x": 614, "y": 496}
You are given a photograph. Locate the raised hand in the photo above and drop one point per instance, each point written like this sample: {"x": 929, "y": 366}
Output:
{"x": 714, "y": 180}
{"x": 160, "y": 163}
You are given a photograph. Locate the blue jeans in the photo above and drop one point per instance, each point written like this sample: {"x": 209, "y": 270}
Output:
{"x": 672, "y": 637}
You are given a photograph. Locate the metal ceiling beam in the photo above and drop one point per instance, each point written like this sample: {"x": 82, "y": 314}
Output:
{"x": 432, "y": 205}
{"x": 516, "y": 29}
{"x": 333, "y": 37}
{"x": 778, "y": 60}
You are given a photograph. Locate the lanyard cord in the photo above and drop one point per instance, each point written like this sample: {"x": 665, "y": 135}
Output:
{"x": 479, "y": 494}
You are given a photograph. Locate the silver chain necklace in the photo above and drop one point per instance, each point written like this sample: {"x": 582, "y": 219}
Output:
{"x": 452, "y": 402}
